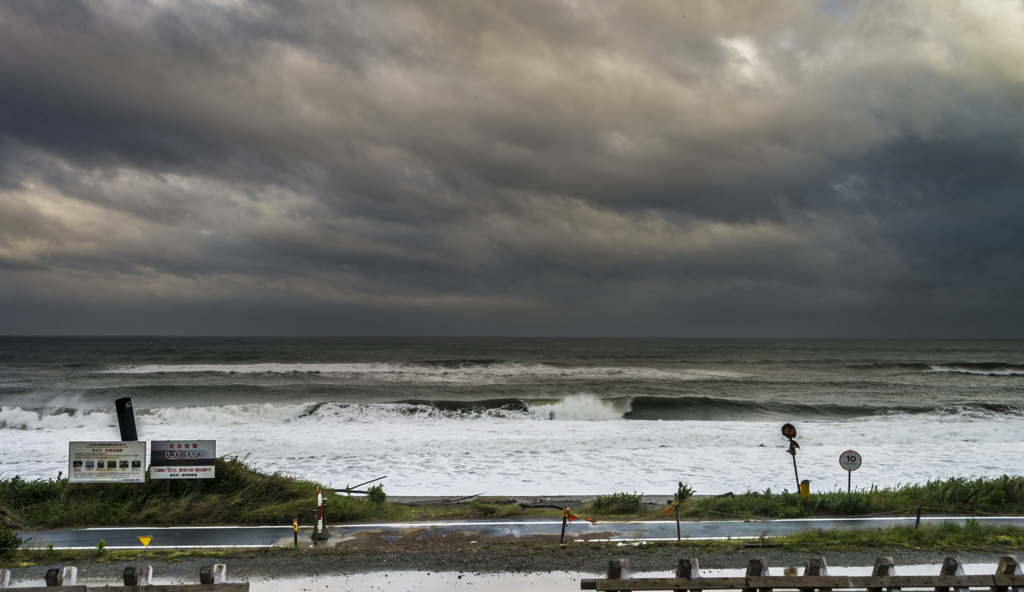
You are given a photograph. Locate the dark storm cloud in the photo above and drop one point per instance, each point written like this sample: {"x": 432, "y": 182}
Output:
{"x": 511, "y": 168}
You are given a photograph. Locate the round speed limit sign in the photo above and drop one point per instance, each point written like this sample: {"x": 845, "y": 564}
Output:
{"x": 850, "y": 460}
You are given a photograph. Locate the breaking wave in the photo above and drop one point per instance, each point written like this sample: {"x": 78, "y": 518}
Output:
{"x": 457, "y": 370}
{"x": 981, "y": 368}
{"x": 582, "y": 407}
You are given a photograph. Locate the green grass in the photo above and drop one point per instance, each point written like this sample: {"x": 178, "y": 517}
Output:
{"x": 946, "y": 536}
{"x": 616, "y": 504}
{"x": 30, "y": 557}
{"x": 496, "y": 510}
{"x": 239, "y": 495}
{"x": 1000, "y": 495}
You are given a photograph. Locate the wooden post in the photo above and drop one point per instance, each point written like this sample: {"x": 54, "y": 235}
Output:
{"x": 167, "y": 487}
{"x": 688, "y": 569}
{"x": 135, "y": 493}
{"x": 213, "y": 574}
{"x": 816, "y": 566}
{"x": 618, "y": 569}
{"x": 138, "y": 576}
{"x": 1008, "y": 566}
{"x": 759, "y": 567}
{"x": 883, "y": 567}
{"x": 917, "y": 522}
{"x": 56, "y": 576}
{"x": 951, "y": 566}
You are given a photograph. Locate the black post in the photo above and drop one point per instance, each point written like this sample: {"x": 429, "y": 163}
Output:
{"x": 135, "y": 493}
{"x": 918, "y": 521}
{"x": 565, "y": 520}
{"x": 797, "y": 474}
{"x": 849, "y": 479}
{"x": 126, "y": 419}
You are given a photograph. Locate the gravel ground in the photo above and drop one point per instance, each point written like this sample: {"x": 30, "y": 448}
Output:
{"x": 529, "y": 557}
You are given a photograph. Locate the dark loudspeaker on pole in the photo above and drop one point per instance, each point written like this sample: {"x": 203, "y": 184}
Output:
{"x": 126, "y": 419}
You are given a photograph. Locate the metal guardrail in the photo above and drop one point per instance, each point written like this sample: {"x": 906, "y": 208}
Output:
{"x": 951, "y": 578}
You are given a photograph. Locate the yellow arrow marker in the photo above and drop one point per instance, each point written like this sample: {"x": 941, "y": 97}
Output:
{"x": 145, "y": 540}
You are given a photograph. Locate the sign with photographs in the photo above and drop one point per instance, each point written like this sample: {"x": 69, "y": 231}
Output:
{"x": 106, "y": 462}
{"x": 182, "y": 459}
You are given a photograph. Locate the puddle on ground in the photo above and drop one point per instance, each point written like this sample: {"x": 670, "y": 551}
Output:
{"x": 558, "y": 581}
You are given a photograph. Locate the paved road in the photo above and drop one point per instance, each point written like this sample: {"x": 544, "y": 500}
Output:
{"x": 266, "y": 536}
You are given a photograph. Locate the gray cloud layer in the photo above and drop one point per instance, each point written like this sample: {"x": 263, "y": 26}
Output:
{"x": 544, "y": 168}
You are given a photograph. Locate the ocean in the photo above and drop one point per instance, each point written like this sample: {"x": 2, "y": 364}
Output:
{"x": 458, "y": 416}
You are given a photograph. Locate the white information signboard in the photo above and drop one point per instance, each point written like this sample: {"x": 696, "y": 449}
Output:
{"x": 106, "y": 462}
{"x": 182, "y": 459}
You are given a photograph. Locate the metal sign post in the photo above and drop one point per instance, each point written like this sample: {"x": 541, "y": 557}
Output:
{"x": 790, "y": 432}
{"x": 850, "y": 460}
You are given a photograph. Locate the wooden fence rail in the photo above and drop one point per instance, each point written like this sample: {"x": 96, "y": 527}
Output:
{"x": 136, "y": 579}
{"x": 951, "y": 578}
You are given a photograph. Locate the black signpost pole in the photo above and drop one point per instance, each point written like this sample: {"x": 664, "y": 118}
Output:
{"x": 790, "y": 432}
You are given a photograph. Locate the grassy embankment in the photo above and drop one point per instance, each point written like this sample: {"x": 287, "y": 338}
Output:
{"x": 239, "y": 495}
{"x": 243, "y": 495}
{"x": 1001, "y": 495}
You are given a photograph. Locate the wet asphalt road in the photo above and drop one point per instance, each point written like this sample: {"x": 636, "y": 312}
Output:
{"x": 263, "y": 536}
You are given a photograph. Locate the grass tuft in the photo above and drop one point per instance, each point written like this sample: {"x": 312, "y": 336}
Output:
{"x": 618, "y": 503}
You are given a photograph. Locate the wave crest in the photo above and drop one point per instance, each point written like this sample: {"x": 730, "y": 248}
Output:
{"x": 981, "y": 368}
{"x": 579, "y": 407}
{"x": 458, "y": 370}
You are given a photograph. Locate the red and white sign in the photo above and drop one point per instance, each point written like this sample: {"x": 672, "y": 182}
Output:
{"x": 850, "y": 460}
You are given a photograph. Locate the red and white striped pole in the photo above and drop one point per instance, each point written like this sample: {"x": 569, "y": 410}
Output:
{"x": 319, "y": 510}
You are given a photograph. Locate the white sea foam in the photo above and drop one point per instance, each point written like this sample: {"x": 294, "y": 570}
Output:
{"x": 1004, "y": 371}
{"x": 580, "y": 408}
{"x": 426, "y": 372}
{"x": 425, "y": 450}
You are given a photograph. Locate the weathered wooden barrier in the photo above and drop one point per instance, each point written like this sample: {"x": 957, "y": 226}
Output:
{"x": 136, "y": 578}
{"x": 951, "y": 578}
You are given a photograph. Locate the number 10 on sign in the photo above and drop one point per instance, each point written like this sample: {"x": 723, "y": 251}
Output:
{"x": 849, "y": 460}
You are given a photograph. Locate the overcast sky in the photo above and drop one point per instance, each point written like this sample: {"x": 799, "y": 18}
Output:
{"x": 636, "y": 168}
